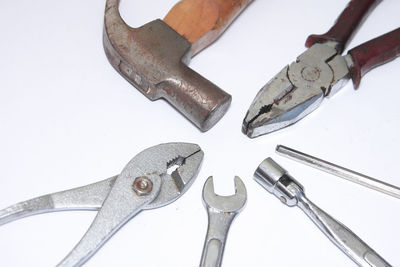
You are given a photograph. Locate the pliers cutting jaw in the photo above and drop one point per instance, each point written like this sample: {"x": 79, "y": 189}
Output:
{"x": 297, "y": 90}
{"x": 279, "y": 104}
{"x": 148, "y": 181}
{"x": 320, "y": 71}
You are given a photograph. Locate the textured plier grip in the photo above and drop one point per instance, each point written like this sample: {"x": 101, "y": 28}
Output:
{"x": 346, "y": 24}
{"x": 374, "y": 53}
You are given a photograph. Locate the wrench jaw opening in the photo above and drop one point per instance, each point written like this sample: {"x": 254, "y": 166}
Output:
{"x": 221, "y": 211}
{"x": 279, "y": 182}
{"x": 225, "y": 204}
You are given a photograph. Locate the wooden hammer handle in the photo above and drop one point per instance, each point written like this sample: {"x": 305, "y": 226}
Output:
{"x": 201, "y": 22}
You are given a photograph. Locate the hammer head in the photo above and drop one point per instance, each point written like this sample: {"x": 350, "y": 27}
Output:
{"x": 153, "y": 58}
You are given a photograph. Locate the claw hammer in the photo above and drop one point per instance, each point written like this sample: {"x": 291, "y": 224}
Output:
{"x": 154, "y": 57}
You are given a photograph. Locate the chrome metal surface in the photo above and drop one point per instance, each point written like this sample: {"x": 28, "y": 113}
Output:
{"x": 273, "y": 108}
{"x": 221, "y": 211}
{"x": 297, "y": 90}
{"x": 279, "y": 182}
{"x": 339, "y": 171}
{"x": 89, "y": 197}
{"x": 115, "y": 198}
{"x": 121, "y": 205}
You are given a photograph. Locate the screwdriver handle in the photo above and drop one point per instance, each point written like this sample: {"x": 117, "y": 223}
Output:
{"x": 374, "y": 53}
{"x": 346, "y": 24}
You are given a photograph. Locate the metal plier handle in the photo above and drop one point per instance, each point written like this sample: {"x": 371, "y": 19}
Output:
{"x": 148, "y": 181}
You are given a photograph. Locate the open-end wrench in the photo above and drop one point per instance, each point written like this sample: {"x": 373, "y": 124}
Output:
{"x": 221, "y": 212}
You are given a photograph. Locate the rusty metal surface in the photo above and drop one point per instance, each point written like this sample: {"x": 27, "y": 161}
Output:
{"x": 153, "y": 58}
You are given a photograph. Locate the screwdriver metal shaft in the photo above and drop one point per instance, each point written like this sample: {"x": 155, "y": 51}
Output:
{"x": 339, "y": 171}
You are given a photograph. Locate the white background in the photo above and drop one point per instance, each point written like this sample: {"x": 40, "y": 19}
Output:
{"x": 67, "y": 119}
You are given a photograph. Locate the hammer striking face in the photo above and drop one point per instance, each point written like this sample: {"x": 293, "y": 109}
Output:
{"x": 154, "y": 57}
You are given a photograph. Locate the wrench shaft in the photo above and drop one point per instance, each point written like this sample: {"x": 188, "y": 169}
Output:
{"x": 221, "y": 211}
{"x": 217, "y": 232}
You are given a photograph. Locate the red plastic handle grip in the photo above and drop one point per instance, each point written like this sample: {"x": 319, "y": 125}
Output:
{"x": 374, "y": 53}
{"x": 346, "y": 24}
